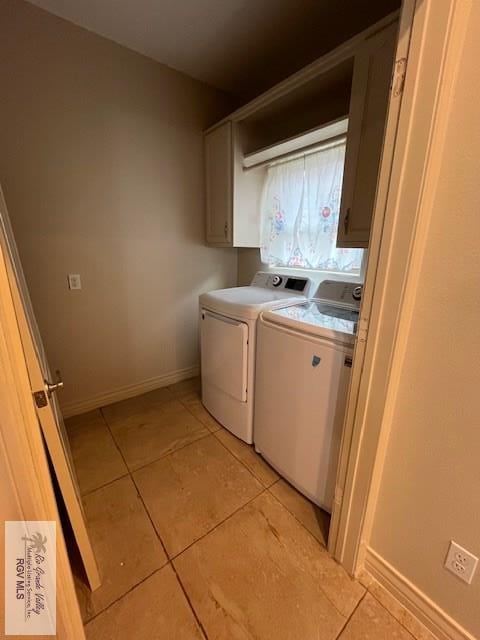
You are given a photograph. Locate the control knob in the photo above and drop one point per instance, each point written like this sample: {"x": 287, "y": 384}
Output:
{"x": 276, "y": 281}
{"x": 357, "y": 293}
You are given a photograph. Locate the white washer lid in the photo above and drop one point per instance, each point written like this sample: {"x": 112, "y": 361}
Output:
{"x": 246, "y": 302}
{"x": 317, "y": 318}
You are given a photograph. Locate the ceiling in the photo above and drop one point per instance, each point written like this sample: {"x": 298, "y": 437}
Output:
{"x": 239, "y": 46}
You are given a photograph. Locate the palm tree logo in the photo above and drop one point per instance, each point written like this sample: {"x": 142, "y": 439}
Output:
{"x": 37, "y": 542}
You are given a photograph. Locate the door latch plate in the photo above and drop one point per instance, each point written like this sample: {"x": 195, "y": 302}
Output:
{"x": 40, "y": 398}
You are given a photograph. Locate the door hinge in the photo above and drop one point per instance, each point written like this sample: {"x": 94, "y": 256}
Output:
{"x": 398, "y": 77}
{"x": 362, "y": 335}
{"x": 362, "y": 329}
{"x": 338, "y": 497}
{"x": 40, "y": 398}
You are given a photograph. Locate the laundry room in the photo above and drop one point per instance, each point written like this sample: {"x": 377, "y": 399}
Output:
{"x": 204, "y": 227}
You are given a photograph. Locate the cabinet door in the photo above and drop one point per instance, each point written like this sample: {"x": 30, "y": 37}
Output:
{"x": 219, "y": 187}
{"x": 372, "y": 77}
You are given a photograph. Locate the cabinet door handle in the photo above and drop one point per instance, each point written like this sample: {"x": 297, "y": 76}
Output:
{"x": 346, "y": 220}
{"x": 225, "y": 229}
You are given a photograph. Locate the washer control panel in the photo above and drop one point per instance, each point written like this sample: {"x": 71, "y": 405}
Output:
{"x": 289, "y": 284}
{"x": 340, "y": 294}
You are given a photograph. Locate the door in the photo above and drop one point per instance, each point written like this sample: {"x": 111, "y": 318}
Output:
{"x": 48, "y": 412}
{"x": 367, "y": 119}
{"x": 224, "y": 346}
{"x": 219, "y": 185}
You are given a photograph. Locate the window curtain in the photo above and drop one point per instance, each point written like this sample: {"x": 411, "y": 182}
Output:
{"x": 300, "y": 210}
{"x": 281, "y": 211}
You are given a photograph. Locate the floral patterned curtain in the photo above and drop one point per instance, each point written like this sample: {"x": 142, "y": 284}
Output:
{"x": 300, "y": 210}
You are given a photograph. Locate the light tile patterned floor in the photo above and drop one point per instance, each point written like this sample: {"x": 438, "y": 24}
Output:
{"x": 198, "y": 538}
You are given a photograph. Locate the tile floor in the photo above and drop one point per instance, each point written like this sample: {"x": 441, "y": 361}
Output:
{"x": 197, "y": 537}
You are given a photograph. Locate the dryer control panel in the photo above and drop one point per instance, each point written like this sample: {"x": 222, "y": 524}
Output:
{"x": 291, "y": 284}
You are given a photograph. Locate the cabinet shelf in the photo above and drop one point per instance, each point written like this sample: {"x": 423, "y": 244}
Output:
{"x": 297, "y": 143}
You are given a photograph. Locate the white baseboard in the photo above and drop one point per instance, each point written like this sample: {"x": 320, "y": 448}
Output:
{"x": 414, "y": 600}
{"x": 129, "y": 391}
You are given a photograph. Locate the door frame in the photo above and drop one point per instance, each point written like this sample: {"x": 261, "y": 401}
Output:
{"x": 29, "y": 491}
{"x": 403, "y": 208}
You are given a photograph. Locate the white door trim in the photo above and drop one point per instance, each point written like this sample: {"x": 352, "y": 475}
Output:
{"x": 369, "y": 316}
{"x": 398, "y": 237}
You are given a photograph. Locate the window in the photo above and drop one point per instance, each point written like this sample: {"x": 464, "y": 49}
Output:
{"x": 300, "y": 210}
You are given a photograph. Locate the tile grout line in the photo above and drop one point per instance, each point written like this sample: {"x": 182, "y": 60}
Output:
{"x": 326, "y": 551}
{"x": 167, "y": 556}
{"x": 242, "y": 462}
{"x": 191, "y": 412}
{"x": 187, "y": 598}
{"x": 295, "y": 516}
{"x": 267, "y": 489}
{"x": 391, "y": 614}
{"x": 150, "y": 575}
{"x": 325, "y": 594}
{"x": 139, "y": 495}
{"x": 165, "y": 455}
{"x": 218, "y": 524}
{"x": 209, "y": 433}
{"x": 214, "y": 433}
{"x": 170, "y": 559}
{"x": 130, "y": 473}
{"x": 107, "y": 484}
{"x": 340, "y": 633}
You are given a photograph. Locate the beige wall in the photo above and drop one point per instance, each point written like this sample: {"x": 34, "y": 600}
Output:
{"x": 430, "y": 489}
{"x": 102, "y": 168}
{"x": 248, "y": 264}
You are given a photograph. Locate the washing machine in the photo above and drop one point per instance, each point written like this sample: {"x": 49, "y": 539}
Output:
{"x": 228, "y": 319}
{"x": 303, "y": 361}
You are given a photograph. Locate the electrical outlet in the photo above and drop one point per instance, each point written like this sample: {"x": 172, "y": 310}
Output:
{"x": 74, "y": 281}
{"x": 461, "y": 562}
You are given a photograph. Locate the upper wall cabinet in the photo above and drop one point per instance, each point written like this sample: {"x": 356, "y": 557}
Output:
{"x": 372, "y": 75}
{"x": 232, "y": 193}
{"x": 219, "y": 185}
{"x": 352, "y": 81}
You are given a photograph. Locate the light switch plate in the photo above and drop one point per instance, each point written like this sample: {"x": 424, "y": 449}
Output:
{"x": 461, "y": 562}
{"x": 74, "y": 281}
